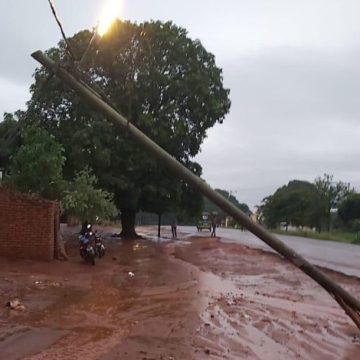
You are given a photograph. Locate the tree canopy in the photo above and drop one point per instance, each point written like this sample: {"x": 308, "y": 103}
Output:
{"x": 330, "y": 195}
{"x": 9, "y": 138}
{"x": 301, "y": 203}
{"x": 294, "y": 203}
{"x": 37, "y": 164}
{"x": 349, "y": 208}
{"x": 168, "y": 86}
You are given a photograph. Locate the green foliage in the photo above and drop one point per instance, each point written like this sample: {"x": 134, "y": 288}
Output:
{"x": 301, "y": 203}
{"x": 83, "y": 200}
{"x": 9, "y": 139}
{"x": 330, "y": 195}
{"x": 37, "y": 165}
{"x": 166, "y": 193}
{"x": 191, "y": 201}
{"x": 167, "y": 84}
{"x": 211, "y": 207}
{"x": 349, "y": 210}
{"x": 294, "y": 204}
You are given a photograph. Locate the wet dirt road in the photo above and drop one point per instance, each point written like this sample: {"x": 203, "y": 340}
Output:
{"x": 341, "y": 257}
{"x": 189, "y": 299}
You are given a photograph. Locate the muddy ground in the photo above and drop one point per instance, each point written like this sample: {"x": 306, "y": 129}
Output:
{"x": 193, "y": 299}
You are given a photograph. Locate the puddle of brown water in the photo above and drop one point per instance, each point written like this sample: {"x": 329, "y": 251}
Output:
{"x": 27, "y": 342}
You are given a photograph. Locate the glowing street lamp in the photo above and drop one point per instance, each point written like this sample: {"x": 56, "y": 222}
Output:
{"x": 110, "y": 12}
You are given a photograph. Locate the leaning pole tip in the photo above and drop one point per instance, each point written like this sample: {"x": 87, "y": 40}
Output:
{"x": 35, "y": 53}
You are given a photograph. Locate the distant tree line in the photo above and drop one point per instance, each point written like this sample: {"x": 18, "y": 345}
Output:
{"x": 220, "y": 214}
{"x": 322, "y": 205}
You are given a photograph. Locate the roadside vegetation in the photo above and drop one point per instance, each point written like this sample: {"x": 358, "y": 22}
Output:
{"x": 325, "y": 210}
{"x": 37, "y": 167}
{"x": 340, "y": 236}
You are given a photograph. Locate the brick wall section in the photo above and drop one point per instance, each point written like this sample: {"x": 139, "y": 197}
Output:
{"x": 27, "y": 226}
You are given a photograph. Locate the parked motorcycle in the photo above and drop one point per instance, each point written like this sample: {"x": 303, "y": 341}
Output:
{"x": 99, "y": 246}
{"x": 87, "y": 251}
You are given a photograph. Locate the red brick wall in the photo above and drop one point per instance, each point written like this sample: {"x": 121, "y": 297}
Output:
{"x": 27, "y": 226}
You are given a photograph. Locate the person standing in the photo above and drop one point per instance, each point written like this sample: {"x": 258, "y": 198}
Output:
{"x": 84, "y": 228}
{"x": 173, "y": 227}
{"x": 213, "y": 226}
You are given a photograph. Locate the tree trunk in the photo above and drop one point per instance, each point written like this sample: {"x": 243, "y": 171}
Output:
{"x": 128, "y": 224}
{"x": 329, "y": 221}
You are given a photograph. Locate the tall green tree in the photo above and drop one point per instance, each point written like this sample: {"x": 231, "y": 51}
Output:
{"x": 167, "y": 84}
{"x": 37, "y": 165}
{"x": 330, "y": 195}
{"x": 349, "y": 208}
{"x": 294, "y": 204}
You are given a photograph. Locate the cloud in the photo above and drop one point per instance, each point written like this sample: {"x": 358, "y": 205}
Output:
{"x": 294, "y": 82}
{"x": 295, "y": 114}
{"x": 27, "y": 26}
{"x": 13, "y": 96}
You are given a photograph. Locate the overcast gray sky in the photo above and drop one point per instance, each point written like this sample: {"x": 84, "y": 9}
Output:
{"x": 293, "y": 67}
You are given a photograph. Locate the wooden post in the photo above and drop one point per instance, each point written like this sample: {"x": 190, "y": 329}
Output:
{"x": 159, "y": 225}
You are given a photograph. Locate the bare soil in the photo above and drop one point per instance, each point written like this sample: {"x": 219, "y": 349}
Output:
{"x": 187, "y": 299}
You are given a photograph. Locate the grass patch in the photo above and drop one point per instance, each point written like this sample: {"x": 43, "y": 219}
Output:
{"x": 340, "y": 236}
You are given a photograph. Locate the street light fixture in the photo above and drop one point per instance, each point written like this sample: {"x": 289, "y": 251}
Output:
{"x": 111, "y": 10}
{"x": 109, "y": 13}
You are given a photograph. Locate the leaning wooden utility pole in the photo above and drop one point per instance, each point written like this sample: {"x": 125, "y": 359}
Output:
{"x": 349, "y": 303}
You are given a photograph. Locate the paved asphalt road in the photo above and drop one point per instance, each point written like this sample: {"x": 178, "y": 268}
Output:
{"x": 328, "y": 254}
